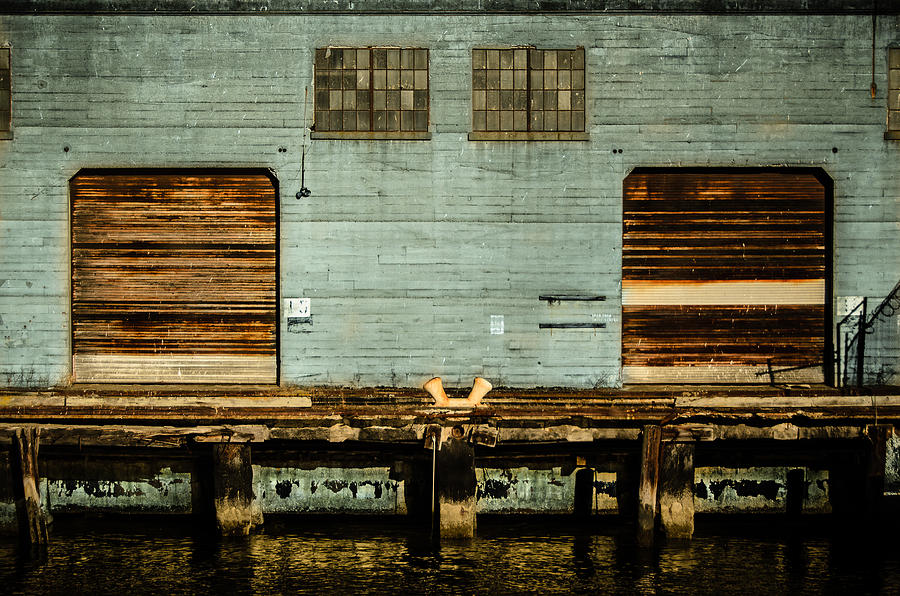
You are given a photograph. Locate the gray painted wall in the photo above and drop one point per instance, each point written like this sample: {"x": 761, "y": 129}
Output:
{"x": 407, "y": 248}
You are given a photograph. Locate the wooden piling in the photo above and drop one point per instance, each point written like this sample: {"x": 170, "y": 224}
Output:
{"x": 456, "y": 486}
{"x": 32, "y": 522}
{"x": 648, "y": 484}
{"x": 237, "y": 509}
{"x": 796, "y": 493}
{"x": 676, "y": 490}
{"x": 584, "y": 493}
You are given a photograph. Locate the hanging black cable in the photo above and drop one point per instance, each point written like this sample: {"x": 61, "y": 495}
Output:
{"x": 303, "y": 192}
{"x": 874, "y": 88}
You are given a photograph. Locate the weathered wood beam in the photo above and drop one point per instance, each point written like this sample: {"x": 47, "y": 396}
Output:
{"x": 456, "y": 486}
{"x": 32, "y": 522}
{"x": 648, "y": 484}
{"x": 676, "y": 490}
{"x": 235, "y": 503}
{"x": 119, "y": 435}
{"x": 584, "y": 493}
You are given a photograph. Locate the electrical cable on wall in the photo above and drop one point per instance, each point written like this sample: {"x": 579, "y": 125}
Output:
{"x": 304, "y": 192}
{"x": 874, "y": 88}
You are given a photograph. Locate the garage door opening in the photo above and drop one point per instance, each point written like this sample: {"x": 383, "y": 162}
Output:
{"x": 726, "y": 275}
{"x": 174, "y": 276}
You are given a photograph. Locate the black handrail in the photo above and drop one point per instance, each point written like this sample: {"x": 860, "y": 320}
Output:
{"x": 888, "y": 307}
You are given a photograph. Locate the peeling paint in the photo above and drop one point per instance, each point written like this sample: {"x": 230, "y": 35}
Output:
{"x": 168, "y": 492}
{"x": 347, "y": 490}
{"x": 755, "y": 490}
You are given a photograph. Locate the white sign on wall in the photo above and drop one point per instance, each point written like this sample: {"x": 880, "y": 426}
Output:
{"x": 496, "y": 324}
{"x": 296, "y": 308}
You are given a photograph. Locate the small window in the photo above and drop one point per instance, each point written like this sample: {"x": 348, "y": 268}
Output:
{"x": 371, "y": 93}
{"x": 893, "y": 115}
{"x": 528, "y": 94}
{"x": 5, "y": 96}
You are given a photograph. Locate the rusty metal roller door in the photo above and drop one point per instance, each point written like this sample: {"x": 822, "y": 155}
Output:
{"x": 723, "y": 275}
{"x": 174, "y": 276}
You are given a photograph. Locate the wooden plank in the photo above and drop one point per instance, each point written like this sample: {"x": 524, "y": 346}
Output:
{"x": 648, "y": 484}
{"x": 32, "y": 522}
{"x": 175, "y": 368}
{"x": 652, "y": 292}
{"x": 700, "y": 373}
{"x": 126, "y": 435}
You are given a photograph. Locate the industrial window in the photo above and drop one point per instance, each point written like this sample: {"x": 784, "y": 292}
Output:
{"x": 893, "y": 119}
{"x": 528, "y": 94}
{"x": 5, "y": 96}
{"x": 374, "y": 92}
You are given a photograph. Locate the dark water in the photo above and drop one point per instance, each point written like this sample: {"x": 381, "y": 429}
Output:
{"x": 508, "y": 557}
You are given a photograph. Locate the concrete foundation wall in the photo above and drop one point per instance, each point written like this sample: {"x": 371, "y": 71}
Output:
{"x": 167, "y": 492}
{"x": 407, "y": 249}
{"x": 755, "y": 490}
{"x": 328, "y": 490}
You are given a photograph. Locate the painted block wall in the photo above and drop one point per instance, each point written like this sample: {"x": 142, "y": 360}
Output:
{"x": 407, "y": 248}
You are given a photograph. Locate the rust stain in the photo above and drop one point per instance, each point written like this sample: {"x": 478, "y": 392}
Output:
{"x": 173, "y": 263}
{"x": 695, "y": 226}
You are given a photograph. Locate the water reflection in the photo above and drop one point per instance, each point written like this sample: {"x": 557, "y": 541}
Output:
{"x": 508, "y": 557}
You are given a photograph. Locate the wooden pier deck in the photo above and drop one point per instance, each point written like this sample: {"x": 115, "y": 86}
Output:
{"x": 170, "y": 416}
{"x": 649, "y": 435}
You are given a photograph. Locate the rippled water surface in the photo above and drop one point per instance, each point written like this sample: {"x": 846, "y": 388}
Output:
{"x": 512, "y": 556}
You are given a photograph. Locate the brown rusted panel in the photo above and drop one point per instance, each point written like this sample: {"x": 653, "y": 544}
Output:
{"x": 744, "y": 335}
{"x": 724, "y": 225}
{"x": 174, "y": 262}
{"x": 714, "y": 228}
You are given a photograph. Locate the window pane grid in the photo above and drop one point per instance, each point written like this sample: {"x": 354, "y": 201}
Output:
{"x": 528, "y": 90}
{"x": 5, "y": 95}
{"x": 894, "y": 89}
{"x": 375, "y": 89}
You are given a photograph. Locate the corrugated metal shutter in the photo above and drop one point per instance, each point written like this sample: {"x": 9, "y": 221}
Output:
{"x": 174, "y": 276}
{"x": 724, "y": 275}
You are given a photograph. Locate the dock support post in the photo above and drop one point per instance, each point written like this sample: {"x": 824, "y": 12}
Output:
{"x": 676, "y": 490}
{"x": 235, "y": 503}
{"x": 456, "y": 486}
{"x": 648, "y": 484}
{"x": 584, "y": 493}
{"x": 796, "y": 493}
{"x": 32, "y": 523}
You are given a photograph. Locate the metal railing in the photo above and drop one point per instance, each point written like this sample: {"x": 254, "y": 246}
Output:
{"x": 851, "y": 335}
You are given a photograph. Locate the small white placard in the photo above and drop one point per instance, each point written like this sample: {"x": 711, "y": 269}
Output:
{"x": 496, "y": 324}
{"x": 296, "y": 307}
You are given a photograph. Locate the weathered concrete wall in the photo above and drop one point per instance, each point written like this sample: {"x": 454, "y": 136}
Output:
{"x": 407, "y": 249}
{"x": 328, "y": 490}
{"x": 755, "y": 490}
{"x": 371, "y": 490}
{"x": 167, "y": 492}
{"x": 892, "y": 466}
{"x": 300, "y": 6}
{"x": 525, "y": 490}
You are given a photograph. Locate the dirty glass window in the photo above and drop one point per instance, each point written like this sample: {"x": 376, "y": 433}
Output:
{"x": 5, "y": 104}
{"x": 371, "y": 92}
{"x": 528, "y": 90}
{"x": 893, "y": 120}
